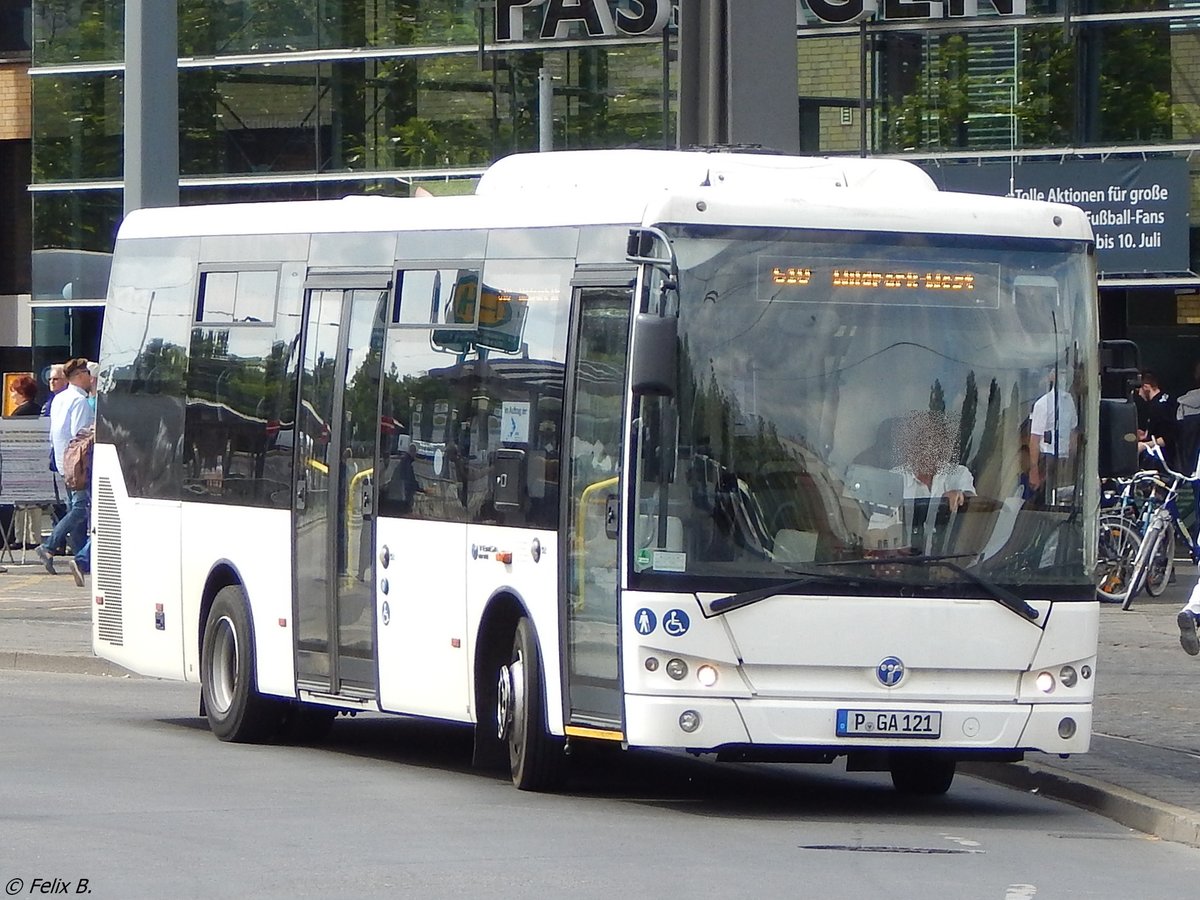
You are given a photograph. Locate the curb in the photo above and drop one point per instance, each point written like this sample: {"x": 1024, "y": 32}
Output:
{"x": 1137, "y": 811}
{"x": 68, "y": 665}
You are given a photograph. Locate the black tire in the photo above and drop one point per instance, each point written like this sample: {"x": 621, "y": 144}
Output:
{"x": 922, "y": 774}
{"x": 536, "y": 759}
{"x": 1162, "y": 563}
{"x": 236, "y": 710}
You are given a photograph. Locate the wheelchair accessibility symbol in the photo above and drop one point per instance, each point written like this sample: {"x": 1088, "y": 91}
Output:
{"x": 676, "y": 623}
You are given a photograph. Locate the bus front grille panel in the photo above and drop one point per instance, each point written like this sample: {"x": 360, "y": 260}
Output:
{"x": 106, "y": 554}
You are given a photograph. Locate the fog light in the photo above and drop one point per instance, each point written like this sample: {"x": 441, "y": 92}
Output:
{"x": 1066, "y": 728}
{"x": 677, "y": 669}
{"x": 689, "y": 720}
{"x": 1086, "y": 672}
{"x": 1045, "y": 682}
{"x": 706, "y": 675}
{"x": 651, "y": 664}
{"x": 1068, "y": 676}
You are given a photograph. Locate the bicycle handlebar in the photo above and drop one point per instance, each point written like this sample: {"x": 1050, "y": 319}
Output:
{"x": 1155, "y": 451}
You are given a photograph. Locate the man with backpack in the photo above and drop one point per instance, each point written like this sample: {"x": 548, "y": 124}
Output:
{"x": 71, "y": 413}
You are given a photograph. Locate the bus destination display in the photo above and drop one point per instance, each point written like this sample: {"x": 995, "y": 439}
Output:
{"x": 884, "y": 282}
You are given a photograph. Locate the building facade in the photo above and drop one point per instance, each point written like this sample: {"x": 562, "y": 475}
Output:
{"x": 15, "y": 130}
{"x": 1096, "y": 102}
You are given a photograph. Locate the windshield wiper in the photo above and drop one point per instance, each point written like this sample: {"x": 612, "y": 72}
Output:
{"x": 746, "y": 598}
{"x": 1001, "y": 595}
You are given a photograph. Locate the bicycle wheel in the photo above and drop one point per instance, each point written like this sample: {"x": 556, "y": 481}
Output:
{"x": 1141, "y": 560}
{"x": 1162, "y": 563}
{"x": 1118, "y": 546}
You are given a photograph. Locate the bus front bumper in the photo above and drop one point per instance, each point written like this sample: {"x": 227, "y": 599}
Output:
{"x": 707, "y": 723}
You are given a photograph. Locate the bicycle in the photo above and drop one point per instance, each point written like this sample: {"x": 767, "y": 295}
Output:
{"x": 1119, "y": 535}
{"x": 1161, "y": 565}
{"x": 1138, "y": 536}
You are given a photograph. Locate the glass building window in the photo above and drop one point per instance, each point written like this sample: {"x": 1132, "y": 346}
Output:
{"x": 78, "y": 31}
{"x": 78, "y": 127}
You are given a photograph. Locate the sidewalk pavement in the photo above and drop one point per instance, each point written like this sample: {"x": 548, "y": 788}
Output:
{"x": 1143, "y": 769}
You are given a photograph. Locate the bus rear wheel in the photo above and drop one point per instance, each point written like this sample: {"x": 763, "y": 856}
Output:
{"x": 925, "y": 774}
{"x": 235, "y": 709}
{"x": 535, "y": 756}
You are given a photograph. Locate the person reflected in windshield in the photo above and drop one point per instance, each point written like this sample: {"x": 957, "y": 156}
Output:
{"x": 1053, "y": 427}
{"x": 929, "y": 460}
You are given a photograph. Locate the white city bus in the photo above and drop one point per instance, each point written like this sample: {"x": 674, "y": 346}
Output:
{"x": 723, "y": 452}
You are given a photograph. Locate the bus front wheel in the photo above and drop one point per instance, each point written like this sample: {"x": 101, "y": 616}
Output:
{"x": 535, "y": 756}
{"x": 921, "y": 773}
{"x": 235, "y": 709}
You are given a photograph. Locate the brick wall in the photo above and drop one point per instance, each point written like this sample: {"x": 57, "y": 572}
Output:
{"x": 829, "y": 67}
{"x": 15, "y": 119}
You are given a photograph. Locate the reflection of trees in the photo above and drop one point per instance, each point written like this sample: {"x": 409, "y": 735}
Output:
{"x": 159, "y": 368}
{"x": 952, "y": 97}
{"x": 714, "y": 429}
{"x": 360, "y": 414}
{"x": 253, "y": 386}
{"x": 937, "y": 397}
{"x": 983, "y": 466}
{"x": 966, "y": 418}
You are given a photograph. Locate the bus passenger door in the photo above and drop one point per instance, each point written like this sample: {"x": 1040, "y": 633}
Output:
{"x": 336, "y": 417}
{"x": 593, "y": 487}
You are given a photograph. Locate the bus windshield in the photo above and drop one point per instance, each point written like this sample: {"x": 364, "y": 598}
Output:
{"x": 848, "y": 399}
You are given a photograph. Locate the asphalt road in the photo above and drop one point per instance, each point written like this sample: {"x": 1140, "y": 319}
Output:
{"x": 117, "y": 781}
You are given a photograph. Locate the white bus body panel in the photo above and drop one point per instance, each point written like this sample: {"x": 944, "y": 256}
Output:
{"x": 178, "y": 544}
{"x": 427, "y": 637}
{"x": 420, "y": 670}
{"x": 786, "y": 665}
{"x": 257, "y": 544}
{"x": 534, "y": 582}
{"x": 127, "y": 625}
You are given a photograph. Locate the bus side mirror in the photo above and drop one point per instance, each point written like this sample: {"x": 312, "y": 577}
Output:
{"x": 1118, "y": 438}
{"x": 654, "y": 356}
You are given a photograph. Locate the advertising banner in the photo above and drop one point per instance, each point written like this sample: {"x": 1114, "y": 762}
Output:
{"x": 1138, "y": 207}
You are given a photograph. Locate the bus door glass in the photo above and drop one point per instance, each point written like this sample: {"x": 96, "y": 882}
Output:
{"x": 594, "y": 486}
{"x": 338, "y": 407}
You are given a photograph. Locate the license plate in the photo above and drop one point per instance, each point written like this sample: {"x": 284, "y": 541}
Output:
{"x": 888, "y": 723}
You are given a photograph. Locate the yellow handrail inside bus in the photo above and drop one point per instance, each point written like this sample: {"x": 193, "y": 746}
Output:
{"x": 354, "y": 482}
{"x": 584, "y": 499}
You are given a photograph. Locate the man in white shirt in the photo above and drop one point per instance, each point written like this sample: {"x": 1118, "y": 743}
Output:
{"x": 1052, "y": 426}
{"x": 69, "y": 413}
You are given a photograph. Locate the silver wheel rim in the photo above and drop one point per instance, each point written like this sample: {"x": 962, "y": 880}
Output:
{"x": 223, "y": 666}
{"x": 510, "y": 701}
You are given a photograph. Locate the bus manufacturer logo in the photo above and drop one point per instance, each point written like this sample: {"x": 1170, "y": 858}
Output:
{"x": 890, "y": 671}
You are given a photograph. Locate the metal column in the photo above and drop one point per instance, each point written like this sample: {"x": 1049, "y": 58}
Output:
{"x": 151, "y": 105}
{"x": 738, "y": 74}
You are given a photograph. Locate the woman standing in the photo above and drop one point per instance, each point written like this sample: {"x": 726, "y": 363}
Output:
{"x": 23, "y": 390}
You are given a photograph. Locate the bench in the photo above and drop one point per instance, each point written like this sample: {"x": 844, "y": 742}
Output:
{"x": 27, "y": 486}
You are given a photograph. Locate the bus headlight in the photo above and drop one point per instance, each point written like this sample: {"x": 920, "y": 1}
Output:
{"x": 677, "y": 669}
{"x": 689, "y": 720}
{"x": 1068, "y": 676}
{"x": 1045, "y": 682}
{"x": 706, "y": 675}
